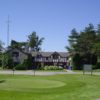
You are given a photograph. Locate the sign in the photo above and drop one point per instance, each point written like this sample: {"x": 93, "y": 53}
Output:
{"x": 87, "y": 68}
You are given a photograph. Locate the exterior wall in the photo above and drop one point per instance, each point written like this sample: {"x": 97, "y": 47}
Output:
{"x": 20, "y": 58}
{"x": 62, "y": 61}
{"x": 41, "y": 59}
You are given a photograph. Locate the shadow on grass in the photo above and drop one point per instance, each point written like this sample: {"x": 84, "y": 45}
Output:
{"x": 2, "y": 81}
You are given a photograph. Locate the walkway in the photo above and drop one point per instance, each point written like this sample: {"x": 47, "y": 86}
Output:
{"x": 32, "y": 72}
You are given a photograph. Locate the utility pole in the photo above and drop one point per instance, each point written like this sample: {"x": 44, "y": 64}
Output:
{"x": 8, "y": 22}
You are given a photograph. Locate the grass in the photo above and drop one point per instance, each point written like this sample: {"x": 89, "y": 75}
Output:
{"x": 57, "y": 87}
{"x": 96, "y": 70}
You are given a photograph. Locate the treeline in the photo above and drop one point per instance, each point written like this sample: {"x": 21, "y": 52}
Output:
{"x": 84, "y": 47}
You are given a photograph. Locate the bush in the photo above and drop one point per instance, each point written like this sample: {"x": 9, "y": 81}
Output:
{"x": 97, "y": 66}
{"x": 29, "y": 61}
{"x": 27, "y": 64}
{"x": 21, "y": 67}
{"x": 53, "y": 68}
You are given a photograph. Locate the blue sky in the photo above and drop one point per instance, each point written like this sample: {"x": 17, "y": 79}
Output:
{"x": 51, "y": 19}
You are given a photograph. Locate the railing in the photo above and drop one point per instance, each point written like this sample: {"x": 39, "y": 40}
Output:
{"x": 50, "y": 60}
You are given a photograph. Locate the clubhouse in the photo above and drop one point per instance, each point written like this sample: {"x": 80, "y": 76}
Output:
{"x": 42, "y": 58}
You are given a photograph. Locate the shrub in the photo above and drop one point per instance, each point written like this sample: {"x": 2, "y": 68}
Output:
{"x": 21, "y": 67}
{"x": 29, "y": 61}
{"x": 53, "y": 68}
{"x": 97, "y": 66}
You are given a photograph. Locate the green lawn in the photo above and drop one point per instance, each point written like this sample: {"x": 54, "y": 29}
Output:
{"x": 57, "y": 87}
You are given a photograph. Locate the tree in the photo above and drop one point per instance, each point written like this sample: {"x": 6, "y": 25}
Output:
{"x": 1, "y": 53}
{"x": 29, "y": 62}
{"x": 96, "y": 46}
{"x": 7, "y": 61}
{"x": 81, "y": 46}
{"x": 1, "y": 45}
{"x": 15, "y": 44}
{"x": 86, "y": 40}
{"x": 73, "y": 41}
{"x": 76, "y": 61}
{"x": 35, "y": 42}
{"x": 96, "y": 49}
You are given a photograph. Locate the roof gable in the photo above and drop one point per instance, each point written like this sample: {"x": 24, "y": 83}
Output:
{"x": 48, "y": 54}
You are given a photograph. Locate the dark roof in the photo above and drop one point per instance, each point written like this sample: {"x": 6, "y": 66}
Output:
{"x": 13, "y": 49}
{"x": 47, "y": 54}
{"x": 44, "y": 54}
{"x": 63, "y": 54}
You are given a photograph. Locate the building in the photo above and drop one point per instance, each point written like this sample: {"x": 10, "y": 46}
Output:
{"x": 50, "y": 58}
{"x": 18, "y": 55}
{"x": 40, "y": 58}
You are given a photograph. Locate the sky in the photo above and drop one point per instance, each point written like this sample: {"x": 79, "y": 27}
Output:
{"x": 51, "y": 19}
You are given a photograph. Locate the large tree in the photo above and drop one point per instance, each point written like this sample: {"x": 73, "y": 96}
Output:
{"x": 96, "y": 46}
{"x": 1, "y": 45}
{"x": 86, "y": 40}
{"x": 73, "y": 41}
{"x": 35, "y": 42}
{"x": 1, "y": 53}
{"x": 82, "y": 44}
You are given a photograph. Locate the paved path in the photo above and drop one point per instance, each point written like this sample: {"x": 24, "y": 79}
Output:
{"x": 31, "y": 72}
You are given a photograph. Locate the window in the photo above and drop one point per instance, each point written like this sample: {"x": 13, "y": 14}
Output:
{"x": 46, "y": 58}
{"x": 15, "y": 54}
